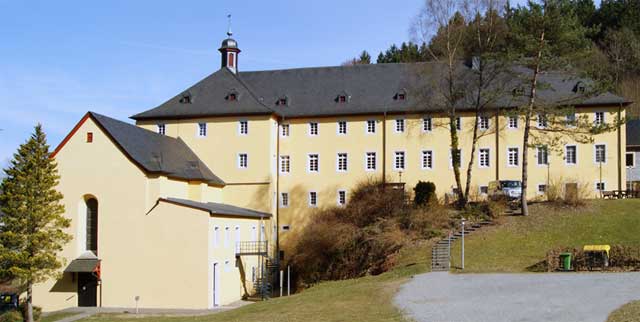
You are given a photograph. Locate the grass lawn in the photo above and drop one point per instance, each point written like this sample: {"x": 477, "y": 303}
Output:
{"x": 629, "y": 312}
{"x": 524, "y": 241}
{"x": 363, "y": 299}
{"x": 57, "y": 316}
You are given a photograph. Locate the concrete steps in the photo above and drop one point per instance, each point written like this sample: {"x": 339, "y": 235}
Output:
{"x": 440, "y": 252}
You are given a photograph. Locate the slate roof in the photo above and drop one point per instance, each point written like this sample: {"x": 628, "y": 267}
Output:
{"x": 370, "y": 89}
{"x": 218, "y": 208}
{"x": 156, "y": 153}
{"x": 633, "y": 133}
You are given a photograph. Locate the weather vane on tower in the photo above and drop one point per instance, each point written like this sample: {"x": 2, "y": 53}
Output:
{"x": 229, "y": 33}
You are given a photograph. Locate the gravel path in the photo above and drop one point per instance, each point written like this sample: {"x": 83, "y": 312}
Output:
{"x": 562, "y": 297}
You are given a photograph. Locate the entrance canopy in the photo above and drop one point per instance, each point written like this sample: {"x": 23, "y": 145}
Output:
{"x": 82, "y": 265}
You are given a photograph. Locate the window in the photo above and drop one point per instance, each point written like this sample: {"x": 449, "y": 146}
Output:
{"x": 427, "y": 159}
{"x": 342, "y": 128}
{"x": 313, "y": 163}
{"x": 483, "y": 123}
{"x": 513, "y": 157}
{"x": 398, "y": 161}
{"x": 600, "y": 186}
{"x": 216, "y": 236}
{"x": 89, "y": 137}
{"x": 282, "y": 101}
{"x": 285, "y": 164}
{"x": 601, "y": 153}
{"x": 162, "y": 129}
{"x": 284, "y": 200}
{"x": 570, "y": 154}
{"x": 313, "y": 199}
{"x": 286, "y": 227}
{"x": 242, "y": 161}
{"x": 458, "y": 123}
{"x": 571, "y": 119}
{"x": 370, "y": 161}
{"x": 455, "y": 157}
{"x": 484, "y": 190}
{"x": 227, "y": 236}
{"x": 599, "y": 118}
{"x": 237, "y": 238}
{"x": 342, "y": 98}
{"x": 342, "y": 197}
{"x": 232, "y": 97}
{"x": 342, "y": 162}
{"x": 542, "y": 188}
{"x": 483, "y": 158}
{"x": 426, "y": 124}
{"x": 371, "y": 126}
{"x": 542, "y": 155}
{"x": 313, "y": 128}
{"x": 243, "y": 127}
{"x": 284, "y": 130}
{"x": 91, "y": 242}
{"x": 630, "y": 160}
{"x": 542, "y": 121}
{"x": 399, "y": 125}
{"x": 512, "y": 122}
{"x": 202, "y": 129}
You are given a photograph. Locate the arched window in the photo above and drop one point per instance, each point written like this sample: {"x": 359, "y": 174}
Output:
{"x": 92, "y": 225}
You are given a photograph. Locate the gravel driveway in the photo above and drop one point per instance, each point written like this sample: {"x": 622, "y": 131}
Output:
{"x": 568, "y": 297}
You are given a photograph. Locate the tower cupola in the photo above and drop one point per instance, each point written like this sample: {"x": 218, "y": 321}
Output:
{"x": 229, "y": 51}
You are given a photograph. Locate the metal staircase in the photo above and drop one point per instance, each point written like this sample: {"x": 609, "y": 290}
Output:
{"x": 441, "y": 251}
{"x": 268, "y": 267}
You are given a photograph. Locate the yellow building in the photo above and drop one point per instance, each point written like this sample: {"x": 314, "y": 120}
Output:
{"x": 187, "y": 208}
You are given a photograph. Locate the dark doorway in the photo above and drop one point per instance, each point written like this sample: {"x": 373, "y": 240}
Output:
{"x": 87, "y": 289}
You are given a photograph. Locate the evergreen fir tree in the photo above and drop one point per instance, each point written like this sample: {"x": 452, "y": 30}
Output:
{"x": 33, "y": 227}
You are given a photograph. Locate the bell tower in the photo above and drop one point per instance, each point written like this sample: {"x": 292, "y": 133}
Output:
{"x": 229, "y": 51}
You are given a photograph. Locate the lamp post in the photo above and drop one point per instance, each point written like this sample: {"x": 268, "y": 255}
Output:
{"x": 462, "y": 252}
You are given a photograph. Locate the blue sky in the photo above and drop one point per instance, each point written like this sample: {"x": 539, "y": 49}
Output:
{"x": 59, "y": 59}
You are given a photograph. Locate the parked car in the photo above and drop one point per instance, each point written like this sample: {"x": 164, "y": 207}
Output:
{"x": 8, "y": 302}
{"x": 505, "y": 190}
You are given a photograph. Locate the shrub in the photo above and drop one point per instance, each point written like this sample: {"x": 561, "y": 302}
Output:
{"x": 11, "y": 316}
{"x": 37, "y": 311}
{"x": 424, "y": 193}
{"x": 621, "y": 258}
{"x": 568, "y": 192}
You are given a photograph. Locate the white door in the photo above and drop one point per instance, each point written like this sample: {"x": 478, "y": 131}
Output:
{"x": 216, "y": 284}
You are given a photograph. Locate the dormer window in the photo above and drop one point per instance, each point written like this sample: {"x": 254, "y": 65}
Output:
{"x": 232, "y": 96}
{"x": 401, "y": 95}
{"x": 342, "y": 98}
{"x": 580, "y": 88}
{"x": 282, "y": 101}
{"x": 518, "y": 91}
{"x": 185, "y": 98}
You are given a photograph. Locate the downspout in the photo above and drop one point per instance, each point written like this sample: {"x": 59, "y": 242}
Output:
{"x": 278, "y": 124}
{"x": 497, "y": 153}
{"x": 619, "y": 148}
{"x": 384, "y": 147}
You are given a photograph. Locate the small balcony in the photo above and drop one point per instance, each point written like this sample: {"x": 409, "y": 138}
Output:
{"x": 248, "y": 248}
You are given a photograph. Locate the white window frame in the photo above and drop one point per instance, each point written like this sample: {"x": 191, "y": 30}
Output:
{"x": 246, "y": 161}
{"x": 595, "y": 153}
{"x": 488, "y": 150}
{"x": 604, "y": 188}
{"x": 451, "y": 158}
{"x": 509, "y": 164}
{"x": 243, "y": 127}
{"x": 317, "y": 170}
{"x": 284, "y": 196}
{"x": 484, "y": 119}
{"x": 311, "y": 204}
{"x": 515, "y": 119}
{"x": 424, "y": 153}
{"x": 283, "y": 159}
{"x": 285, "y": 130}
{"x": 570, "y": 119}
{"x": 341, "y": 191}
{"x": 339, "y": 128}
{"x": 427, "y": 124}
{"x": 480, "y": 190}
{"x": 458, "y": 121}
{"x": 200, "y": 129}
{"x": 400, "y": 125}
{"x": 366, "y": 161}
{"x": 538, "y": 188}
{"x": 566, "y": 154}
{"x": 346, "y": 161}
{"x": 538, "y": 150}
{"x": 597, "y": 122}
{"x": 311, "y": 128}
{"x": 633, "y": 158}
{"x": 542, "y": 121}
{"x": 367, "y": 128}
{"x": 162, "y": 128}
{"x": 395, "y": 160}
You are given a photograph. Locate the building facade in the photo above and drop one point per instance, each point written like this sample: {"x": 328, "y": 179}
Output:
{"x": 244, "y": 158}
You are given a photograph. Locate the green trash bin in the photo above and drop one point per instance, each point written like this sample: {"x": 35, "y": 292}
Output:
{"x": 565, "y": 261}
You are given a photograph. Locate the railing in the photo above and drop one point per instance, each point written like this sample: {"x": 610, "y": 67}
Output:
{"x": 252, "y": 248}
